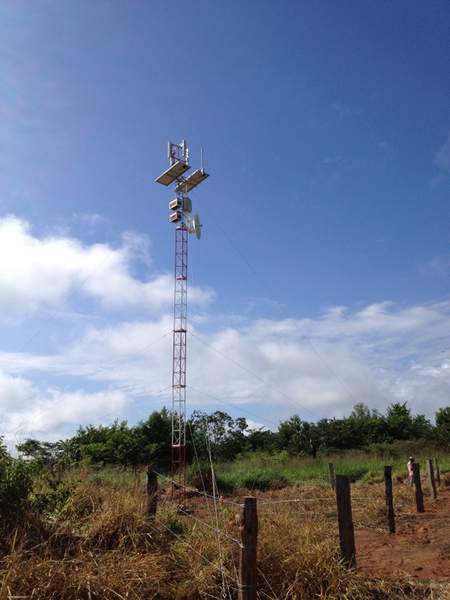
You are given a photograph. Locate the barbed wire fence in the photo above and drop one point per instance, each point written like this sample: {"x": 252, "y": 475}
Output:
{"x": 343, "y": 506}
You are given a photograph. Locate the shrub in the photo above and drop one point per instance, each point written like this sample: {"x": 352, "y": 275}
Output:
{"x": 201, "y": 478}
{"x": 374, "y": 477}
{"x": 263, "y": 480}
{"x": 354, "y": 473}
{"x": 15, "y": 485}
{"x": 53, "y": 499}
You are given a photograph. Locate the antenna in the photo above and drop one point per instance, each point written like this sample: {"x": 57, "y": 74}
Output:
{"x": 194, "y": 226}
{"x": 197, "y": 227}
{"x": 180, "y": 207}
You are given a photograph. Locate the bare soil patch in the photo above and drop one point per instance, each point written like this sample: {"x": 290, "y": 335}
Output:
{"x": 419, "y": 550}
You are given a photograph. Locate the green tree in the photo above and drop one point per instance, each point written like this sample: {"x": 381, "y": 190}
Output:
{"x": 3, "y": 451}
{"x": 112, "y": 444}
{"x": 366, "y": 426}
{"x": 43, "y": 453}
{"x": 15, "y": 483}
{"x": 154, "y": 439}
{"x": 262, "y": 439}
{"x": 443, "y": 425}
{"x": 361, "y": 412}
{"x": 219, "y": 432}
{"x": 147, "y": 442}
{"x": 338, "y": 434}
{"x": 298, "y": 436}
{"x": 399, "y": 421}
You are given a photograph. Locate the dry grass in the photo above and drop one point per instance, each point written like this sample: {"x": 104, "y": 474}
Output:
{"x": 102, "y": 546}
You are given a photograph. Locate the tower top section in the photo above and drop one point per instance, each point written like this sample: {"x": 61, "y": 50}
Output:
{"x": 181, "y": 205}
{"x": 178, "y": 157}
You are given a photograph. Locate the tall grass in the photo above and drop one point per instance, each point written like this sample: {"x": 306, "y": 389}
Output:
{"x": 266, "y": 471}
{"x": 100, "y": 545}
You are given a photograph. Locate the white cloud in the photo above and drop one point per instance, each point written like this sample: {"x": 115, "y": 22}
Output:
{"x": 317, "y": 367}
{"x": 284, "y": 375}
{"x": 28, "y": 411}
{"x": 255, "y": 424}
{"x": 90, "y": 219}
{"x": 43, "y": 272}
{"x": 14, "y": 393}
{"x": 381, "y": 319}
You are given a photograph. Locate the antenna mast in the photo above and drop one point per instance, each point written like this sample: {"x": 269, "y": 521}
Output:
{"x": 181, "y": 208}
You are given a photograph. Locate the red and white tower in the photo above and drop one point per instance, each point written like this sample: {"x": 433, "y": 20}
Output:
{"x": 185, "y": 224}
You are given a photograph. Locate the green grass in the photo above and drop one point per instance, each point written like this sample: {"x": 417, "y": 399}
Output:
{"x": 264, "y": 471}
{"x": 261, "y": 471}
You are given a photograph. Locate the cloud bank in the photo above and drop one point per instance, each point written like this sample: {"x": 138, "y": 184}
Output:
{"x": 28, "y": 411}
{"x": 315, "y": 367}
{"x": 269, "y": 368}
{"x": 42, "y": 272}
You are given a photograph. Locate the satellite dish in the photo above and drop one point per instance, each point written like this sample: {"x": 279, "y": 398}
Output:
{"x": 197, "y": 227}
{"x": 194, "y": 226}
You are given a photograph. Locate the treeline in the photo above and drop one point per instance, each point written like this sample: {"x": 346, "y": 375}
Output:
{"x": 221, "y": 437}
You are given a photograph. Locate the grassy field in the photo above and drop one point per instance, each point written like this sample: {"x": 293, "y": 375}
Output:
{"x": 260, "y": 471}
{"x": 263, "y": 471}
{"x": 87, "y": 535}
{"x": 97, "y": 543}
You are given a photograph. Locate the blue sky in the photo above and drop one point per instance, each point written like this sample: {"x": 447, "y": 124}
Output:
{"x": 324, "y": 265}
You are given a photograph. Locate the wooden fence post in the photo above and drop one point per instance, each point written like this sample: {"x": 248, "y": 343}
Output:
{"x": 331, "y": 477}
{"x": 418, "y": 488}
{"x": 247, "y": 560}
{"x": 389, "y": 498}
{"x": 438, "y": 472}
{"x": 431, "y": 481}
{"x": 345, "y": 520}
{"x": 152, "y": 492}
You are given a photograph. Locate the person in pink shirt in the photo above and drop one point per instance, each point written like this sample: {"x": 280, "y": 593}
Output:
{"x": 409, "y": 466}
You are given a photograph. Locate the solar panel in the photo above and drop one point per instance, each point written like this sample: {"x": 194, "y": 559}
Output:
{"x": 174, "y": 171}
{"x": 192, "y": 181}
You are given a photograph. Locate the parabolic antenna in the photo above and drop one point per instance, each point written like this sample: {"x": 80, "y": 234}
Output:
{"x": 194, "y": 226}
{"x": 197, "y": 227}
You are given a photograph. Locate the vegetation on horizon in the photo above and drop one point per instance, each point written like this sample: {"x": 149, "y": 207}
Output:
{"x": 244, "y": 457}
{"x": 227, "y": 438}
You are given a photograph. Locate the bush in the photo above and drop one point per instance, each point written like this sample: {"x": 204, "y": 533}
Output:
{"x": 399, "y": 449}
{"x": 53, "y": 499}
{"x": 201, "y": 478}
{"x": 374, "y": 477}
{"x": 263, "y": 481}
{"x": 15, "y": 485}
{"x": 354, "y": 472}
